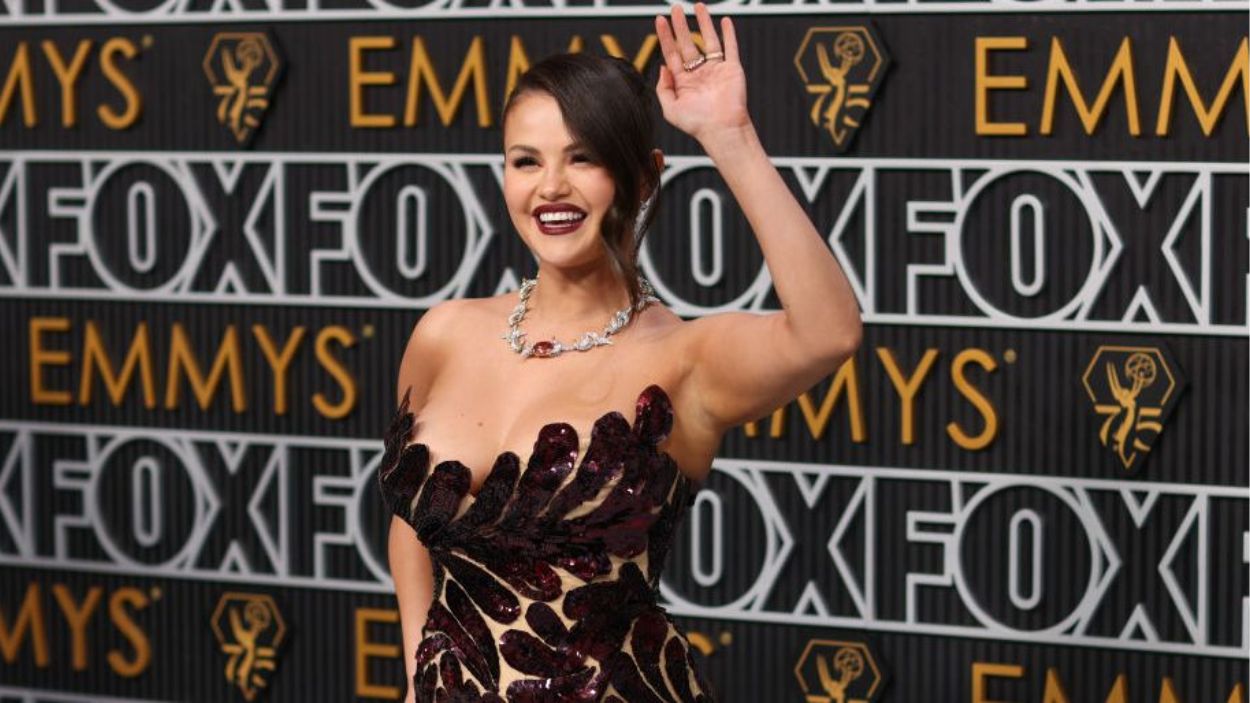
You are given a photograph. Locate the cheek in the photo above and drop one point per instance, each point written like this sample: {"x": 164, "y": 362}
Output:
{"x": 516, "y": 206}
{"x": 513, "y": 194}
{"x": 603, "y": 191}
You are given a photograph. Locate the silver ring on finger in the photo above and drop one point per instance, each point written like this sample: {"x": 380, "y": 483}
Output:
{"x": 715, "y": 55}
{"x": 692, "y": 64}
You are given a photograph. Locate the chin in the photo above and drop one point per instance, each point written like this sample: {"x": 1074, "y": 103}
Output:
{"x": 566, "y": 249}
{"x": 563, "y": 262}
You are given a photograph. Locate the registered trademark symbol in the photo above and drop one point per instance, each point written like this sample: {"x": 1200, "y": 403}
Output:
{"x": 147, "y": 41}
{"x": 1010, "y": 356}
{"x": 155, "y": 592}
{"x": 366, "y": 331}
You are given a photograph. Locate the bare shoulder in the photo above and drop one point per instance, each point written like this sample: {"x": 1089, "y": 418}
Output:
{"x": 663, "y": 326}
{"x": 433, "y": 335}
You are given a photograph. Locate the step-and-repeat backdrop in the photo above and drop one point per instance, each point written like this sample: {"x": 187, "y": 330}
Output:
{"x": 219, "y": 220}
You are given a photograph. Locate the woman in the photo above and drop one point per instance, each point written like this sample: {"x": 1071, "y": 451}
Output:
{"x": 531, "y": 575}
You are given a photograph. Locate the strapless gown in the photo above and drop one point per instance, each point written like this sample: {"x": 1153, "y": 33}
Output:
{"x": 545, "y": 582}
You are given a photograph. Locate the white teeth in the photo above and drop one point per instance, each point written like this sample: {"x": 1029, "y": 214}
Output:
{"x": 561, "y": 216}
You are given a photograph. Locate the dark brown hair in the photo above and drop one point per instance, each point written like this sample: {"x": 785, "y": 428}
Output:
{"x": 609, "y": 109}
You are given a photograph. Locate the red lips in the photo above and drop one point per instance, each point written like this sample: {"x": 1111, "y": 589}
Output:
{"x": 562, "y": 223}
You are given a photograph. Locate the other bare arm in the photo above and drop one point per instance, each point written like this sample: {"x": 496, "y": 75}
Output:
{"x": 414, "y": 585}
{"x": 409, "y": 560}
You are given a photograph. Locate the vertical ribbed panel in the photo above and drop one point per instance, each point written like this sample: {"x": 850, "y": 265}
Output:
{"x": 887, "y": 549}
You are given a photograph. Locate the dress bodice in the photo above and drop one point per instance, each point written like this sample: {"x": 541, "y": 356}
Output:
{"x": 545, "y": 581}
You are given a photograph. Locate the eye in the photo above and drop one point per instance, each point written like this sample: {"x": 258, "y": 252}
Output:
{"x": 523, "y": 161}
{"x": 582, "y": 158}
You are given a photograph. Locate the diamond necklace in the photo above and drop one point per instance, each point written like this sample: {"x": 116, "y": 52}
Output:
{"x": 552, "y": 347}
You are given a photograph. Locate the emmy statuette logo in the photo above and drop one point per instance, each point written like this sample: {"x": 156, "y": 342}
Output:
{"x": 243, "y": 69}
{"x": 841, "y": 68}
{"x": 830, "y": 671}
{"x": 1132, "y": 390}
{"x": 249, "y": 629}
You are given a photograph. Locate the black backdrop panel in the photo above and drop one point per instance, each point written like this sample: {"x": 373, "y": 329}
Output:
{"x": 1037, "y": 209}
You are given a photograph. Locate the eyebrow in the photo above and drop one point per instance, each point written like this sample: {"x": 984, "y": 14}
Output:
{"x": 527, "y": 148}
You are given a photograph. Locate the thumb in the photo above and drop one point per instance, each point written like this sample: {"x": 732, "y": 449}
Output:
{"x": 665, "y": 89}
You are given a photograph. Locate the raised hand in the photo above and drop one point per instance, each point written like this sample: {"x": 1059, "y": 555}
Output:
{"x": 712, "y": 97}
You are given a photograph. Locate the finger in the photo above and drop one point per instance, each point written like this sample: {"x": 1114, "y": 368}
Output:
{"x": 668, "y": 45}
{"x": 707, "y": 28}
{"x": 731, "y": 39}
{"x": 681, "y": 31}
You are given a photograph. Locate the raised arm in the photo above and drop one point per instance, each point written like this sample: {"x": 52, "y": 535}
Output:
{"x": 743, "y": 365}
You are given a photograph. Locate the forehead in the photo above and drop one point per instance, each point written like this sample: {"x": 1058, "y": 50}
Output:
{"x": 535, "y": 119}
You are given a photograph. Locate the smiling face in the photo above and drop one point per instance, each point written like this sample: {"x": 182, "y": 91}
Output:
{"x": 557, "y": 194}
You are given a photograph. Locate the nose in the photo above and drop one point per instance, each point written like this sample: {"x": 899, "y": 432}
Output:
{"x": 554, "y": 184}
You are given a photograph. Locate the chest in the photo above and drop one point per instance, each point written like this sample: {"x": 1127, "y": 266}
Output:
{"x": 473, "y": 414}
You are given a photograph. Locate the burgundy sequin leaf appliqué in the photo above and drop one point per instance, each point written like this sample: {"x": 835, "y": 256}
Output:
{"x": 625, "y": 497}
{"x": 403, "y": 468}
{"x": 518, "y": 524}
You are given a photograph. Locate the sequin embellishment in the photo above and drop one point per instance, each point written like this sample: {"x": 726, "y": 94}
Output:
{"x": 545, "y": 585}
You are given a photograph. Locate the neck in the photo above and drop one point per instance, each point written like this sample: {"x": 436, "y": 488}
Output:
{"x": 567, "y": 300}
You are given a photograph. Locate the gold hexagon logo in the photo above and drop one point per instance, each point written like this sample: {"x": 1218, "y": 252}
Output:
{"x": 243, "y": 68}
{"x": 249, "y": 629}
{"x": 1132, "y": 389}
{"x": 841, "y": 67}
{"x": 833, "y": 671}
